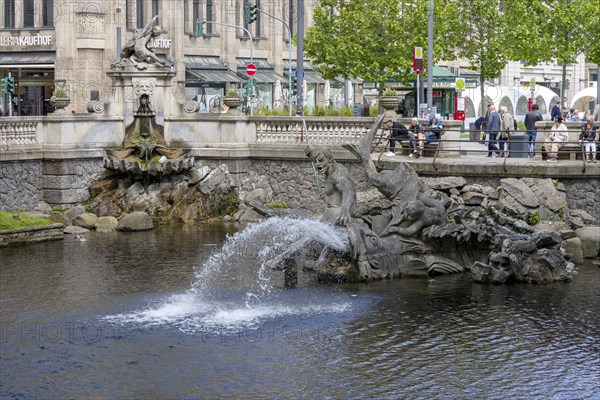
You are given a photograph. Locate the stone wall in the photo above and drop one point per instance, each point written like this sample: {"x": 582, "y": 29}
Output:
{"x": 65, "y": 182}
{"x": 292, "y": 182}
{"x": 20, "y": 185}
{"x": 24, "y": 184}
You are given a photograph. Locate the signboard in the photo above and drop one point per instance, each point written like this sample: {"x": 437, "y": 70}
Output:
{"x": 251, "y": 69}
{"x": 460, "y": 83}
{"x": 417, "y": 59}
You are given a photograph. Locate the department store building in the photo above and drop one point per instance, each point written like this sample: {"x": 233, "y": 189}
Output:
{"x": 71, "y": 44}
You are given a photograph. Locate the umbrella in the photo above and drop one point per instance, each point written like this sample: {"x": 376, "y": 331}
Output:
{"x": 350, "y": 91}
{"x": 327, "y": 93}
{"x": 277, "y": 94}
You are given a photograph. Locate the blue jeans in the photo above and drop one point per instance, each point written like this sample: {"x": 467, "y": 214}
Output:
{"x": 532, "y": 136}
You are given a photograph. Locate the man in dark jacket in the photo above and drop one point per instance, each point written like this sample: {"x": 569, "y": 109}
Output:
{"x": 531, "y": 118}
{"x": 555, "y": 113}
{"x": 493, "y": 130}
{"x": 397, "y": 132}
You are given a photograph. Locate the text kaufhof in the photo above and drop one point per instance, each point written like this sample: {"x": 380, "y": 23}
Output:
{"x": 38, "y": 40}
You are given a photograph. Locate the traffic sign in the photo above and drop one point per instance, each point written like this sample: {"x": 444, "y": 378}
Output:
{"x": 251, "y": 69}
{"x": 460, "y": 83}
{"x": 417, "y": 59}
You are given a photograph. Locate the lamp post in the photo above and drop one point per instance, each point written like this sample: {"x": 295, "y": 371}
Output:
{"x": 300, "y": 59}
{"x": 430, "y": 57}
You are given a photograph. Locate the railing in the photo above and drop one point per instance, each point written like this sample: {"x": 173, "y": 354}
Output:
{"x": 17, "y": 132}
{"x": 569, "y": 150}
{"x": 322, "y": 131}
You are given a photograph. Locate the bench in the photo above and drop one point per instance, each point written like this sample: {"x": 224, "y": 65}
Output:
{"x": 402, "y": 146}
{"x": 571, "y": 150}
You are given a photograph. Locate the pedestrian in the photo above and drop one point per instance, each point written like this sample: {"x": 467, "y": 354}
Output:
{"x": 417, "y": 132}
{"x": 398, "y": 132}
{"x": 587, "y": 138}
{"x": 485, "y": 121}
{"x": 479, "y": 127}
{"x": 507, "y": 125}
{"x": 531, "y": 118}
{"x": 493, "y": 129}
{"x": 556, "y": 140}
{"x": 573, "y": 115}
{"x": 555, "y": 113}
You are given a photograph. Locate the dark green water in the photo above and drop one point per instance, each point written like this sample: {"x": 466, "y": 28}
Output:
{"x": 114, "y": 317}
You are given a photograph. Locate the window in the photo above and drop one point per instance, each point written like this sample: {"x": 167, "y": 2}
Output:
{"x": 209, "y": 17}
{"x": 139, "y": 13}
{"x": 9, "y": 13}
{"x": 291, "y": 18}
{"x": 195, "y": 13}
{"x": 28, "y": 14}
{"x": 155, "y": 9}
{"x": 48, "y": 13}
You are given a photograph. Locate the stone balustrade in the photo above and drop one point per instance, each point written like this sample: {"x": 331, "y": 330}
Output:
{"x": 20, "y": 132}
{"x": 316, "y": 130}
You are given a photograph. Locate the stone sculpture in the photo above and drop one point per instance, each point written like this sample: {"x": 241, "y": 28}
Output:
{"x": 145, "y": 152}
{"x": 138, "y": 48}
{"x": 414, "y": 234}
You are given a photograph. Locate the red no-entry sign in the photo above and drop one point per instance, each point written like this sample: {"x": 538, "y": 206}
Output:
{"x": 250, "y": 69}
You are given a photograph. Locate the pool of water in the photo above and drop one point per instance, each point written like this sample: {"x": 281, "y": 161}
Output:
{"x": 125, "y": 316}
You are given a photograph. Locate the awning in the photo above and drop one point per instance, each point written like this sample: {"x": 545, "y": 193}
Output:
{"x": 263, "y": 75}
{"x": 310, "y": 77}
{"x": 28, "y": 59}
{"x": 211, "y": 75}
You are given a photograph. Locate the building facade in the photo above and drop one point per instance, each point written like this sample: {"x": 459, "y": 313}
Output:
{"x": 71, "y": 44}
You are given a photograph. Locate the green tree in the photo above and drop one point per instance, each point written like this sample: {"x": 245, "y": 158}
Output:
{"x": 484, "y": 26}
{"x": 373, "y": 39}
{"x": 558, "y": 30}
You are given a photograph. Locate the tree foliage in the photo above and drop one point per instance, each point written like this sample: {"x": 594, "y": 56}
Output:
{"x": 373, "y": 39}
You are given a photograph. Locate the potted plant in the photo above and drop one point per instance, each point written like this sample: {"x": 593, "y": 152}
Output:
{"x": 59, "y": 99}
{"x": 232, "y": 100}
{"x": 389, "y": 100}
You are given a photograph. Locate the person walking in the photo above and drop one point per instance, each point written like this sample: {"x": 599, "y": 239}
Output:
{"x": 555, "y": 141}
{"x": 506, "y": 127}
{"x": 587, "y": 138}
{"x": 493, "y": 126}
{"x": 531, "y": 118}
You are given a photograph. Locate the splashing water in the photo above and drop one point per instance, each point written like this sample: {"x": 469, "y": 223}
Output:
{"x": 234, "y": 289}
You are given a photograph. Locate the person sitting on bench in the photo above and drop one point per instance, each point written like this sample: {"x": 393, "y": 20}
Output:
{"x": 398, "y": 132}
{"x": 435, "y": 129}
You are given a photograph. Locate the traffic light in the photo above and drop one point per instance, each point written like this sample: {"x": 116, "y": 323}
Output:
{"x": 251, "y": 12}
{"x": 199, "y": 28}
{"x": 4, "y": 85}
{"x": 294, "y": 85}
{"x": 10, "y": 84}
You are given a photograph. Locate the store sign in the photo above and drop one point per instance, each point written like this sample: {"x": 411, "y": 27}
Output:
{"x": 37, "y": 40}
{"x": 161, "y": 43}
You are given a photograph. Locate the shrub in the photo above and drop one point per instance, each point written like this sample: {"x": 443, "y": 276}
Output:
{"x": 534, "y": 218}
{"x": 389, "y": 92}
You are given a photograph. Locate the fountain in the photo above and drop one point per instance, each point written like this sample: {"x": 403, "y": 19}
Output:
{"x": 410, "y": 229}
{"x": 139, "y": 74}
